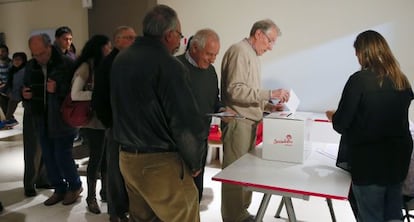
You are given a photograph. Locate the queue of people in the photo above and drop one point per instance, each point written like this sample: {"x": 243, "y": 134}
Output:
{"x": 150, "y": 154}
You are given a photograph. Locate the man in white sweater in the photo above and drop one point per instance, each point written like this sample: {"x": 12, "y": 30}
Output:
{"x": 241, "y": 91}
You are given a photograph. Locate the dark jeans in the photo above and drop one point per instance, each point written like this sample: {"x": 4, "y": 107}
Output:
{"x": 34, "y": 169}
{"x": 57, "y": 155}
{"x": 118, "y": 202}
{"x": 378, "y": 203}
{"x": 97, "y": 157}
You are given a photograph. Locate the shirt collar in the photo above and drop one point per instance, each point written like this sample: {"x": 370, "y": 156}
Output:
{"x": 189, "y": 59}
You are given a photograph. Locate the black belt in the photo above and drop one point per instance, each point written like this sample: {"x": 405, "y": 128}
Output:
{"x": 130, "y": 149}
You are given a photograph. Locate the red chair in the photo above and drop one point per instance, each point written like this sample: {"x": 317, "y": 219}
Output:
{"x": 214, "y": 143}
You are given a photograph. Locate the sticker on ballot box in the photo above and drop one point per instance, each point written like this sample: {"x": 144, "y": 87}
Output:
{"x": 286, "y": 138}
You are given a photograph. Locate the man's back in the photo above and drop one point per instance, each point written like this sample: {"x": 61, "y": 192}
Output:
{"x": 154, "y": 114}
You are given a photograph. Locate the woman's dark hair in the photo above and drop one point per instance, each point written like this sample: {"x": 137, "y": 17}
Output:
{"x": 92, "y": 50}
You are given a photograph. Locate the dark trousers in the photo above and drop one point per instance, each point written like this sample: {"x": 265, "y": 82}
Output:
{"x": 34, "y": 169}
{"x": 57, "y": 155}
{"x": 97, "y": 156}
{"x": 199, "y": 180}
{"x": 4, "y": 100}
{"x": 118, "y": 202}
{"x": 11, "y": 108}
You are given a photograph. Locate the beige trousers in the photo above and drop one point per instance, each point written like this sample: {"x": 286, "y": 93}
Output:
{"x": 239, "y": 138}
{"x": 160, "y": 188}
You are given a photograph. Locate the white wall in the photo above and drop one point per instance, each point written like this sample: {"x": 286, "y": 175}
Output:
{"x": 314, "y": 56}
{"x": 19, "y": 19}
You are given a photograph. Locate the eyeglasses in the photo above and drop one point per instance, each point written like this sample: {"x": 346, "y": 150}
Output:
{"x": 181, "y": 34}
{"x": 270, "y": 41}
{"x": 128, "y": 37}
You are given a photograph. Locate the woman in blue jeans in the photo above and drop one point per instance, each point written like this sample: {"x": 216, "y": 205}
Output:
{"x": 372, "y": 118}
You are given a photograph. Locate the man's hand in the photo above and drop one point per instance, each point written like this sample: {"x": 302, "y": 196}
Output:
{"x": 281, "y": 94}
{"x": 330, "y": 114}
{"x": 51, "y": 85}
{"x": 27, "y": 93}
{"x": 228, "y": 119}
{"x": 196, "y": 173}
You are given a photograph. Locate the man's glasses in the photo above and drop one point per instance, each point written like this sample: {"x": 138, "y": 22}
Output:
{"x": 270, "y": 41}
{"x": 181, "y": 34}
{"x": 128, "y": 37}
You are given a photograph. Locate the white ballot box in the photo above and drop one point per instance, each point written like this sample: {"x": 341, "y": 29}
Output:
{"x": 286, "y": 136}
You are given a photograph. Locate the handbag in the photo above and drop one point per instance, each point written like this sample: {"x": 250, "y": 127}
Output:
{"x": 77, "y": 113}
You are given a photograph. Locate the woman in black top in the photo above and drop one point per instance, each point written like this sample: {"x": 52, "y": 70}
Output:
{"x": 372, "y": 117}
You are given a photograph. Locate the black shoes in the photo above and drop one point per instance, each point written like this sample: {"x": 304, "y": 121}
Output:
{"x": 72, "y": 196}
{"x": 54, "y": 199}
{"x": 30, "y": 192}
{"x": 93, "y": 206}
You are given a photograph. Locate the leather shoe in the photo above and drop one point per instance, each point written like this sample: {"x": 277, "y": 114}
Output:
{"x": 71, "y": 196}
{"x": 93, "y": 206}
{"x": 54, "y": 199}
{"x": 30, "y": 192}
{"x": 249, "y": 219}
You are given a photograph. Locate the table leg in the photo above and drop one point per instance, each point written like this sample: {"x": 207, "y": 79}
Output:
{"x": 289, "y": 209}
{"x": 331, "y": 210}
{"x": 279, "y": 209}
{"x": 262, "y": 208}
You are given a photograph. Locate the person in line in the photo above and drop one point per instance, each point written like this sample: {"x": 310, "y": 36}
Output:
{"x": 47, "y": 81}
{"x": 93, "y": 52}
{"x": 161, "y": 147}
{"x": 241, "y": 91}
{"x": 117, "y": 197}
{"x": 201, "y": 54}
{"x": 64, "y": 42}
{"x": 371, "y": 130}
{"x": 5, "y": 65}
{"x": 14, "y": 88}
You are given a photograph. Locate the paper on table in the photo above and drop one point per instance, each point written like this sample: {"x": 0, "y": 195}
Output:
{"x": 293, "y": 102}
{"x": 225, "y": 114}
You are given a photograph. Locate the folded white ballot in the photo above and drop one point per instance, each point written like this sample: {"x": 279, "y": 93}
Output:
{"x": 293, "y": 103}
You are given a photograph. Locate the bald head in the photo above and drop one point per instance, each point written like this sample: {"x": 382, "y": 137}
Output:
{"x": 40, "y": 47}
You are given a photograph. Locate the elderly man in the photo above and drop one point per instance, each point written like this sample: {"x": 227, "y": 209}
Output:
{"x": 117, "y": 197}
{"x": 46, "y": 83}
{"x": 241, "y": 91}
{"x": 201, "y": 54}
{"x": 160, "y": 144}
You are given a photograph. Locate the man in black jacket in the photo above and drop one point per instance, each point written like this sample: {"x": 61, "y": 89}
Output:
{"x": 201, "y": 54}
{"x": 117, "y": 197}
{"x": 156, "y": 123}
{"x": 47, "y": 81}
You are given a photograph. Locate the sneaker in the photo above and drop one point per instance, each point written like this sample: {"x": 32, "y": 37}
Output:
{"x": 72, "y": 196}
{"x": 11, "y": 122}
{"x": 2, "y": 125}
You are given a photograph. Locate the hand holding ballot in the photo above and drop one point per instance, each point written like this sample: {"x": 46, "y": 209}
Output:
{"x": 281, "y": 94}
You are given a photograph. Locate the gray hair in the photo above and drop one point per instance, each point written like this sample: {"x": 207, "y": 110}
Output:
{"x": 264, "y": 25}
{"x": 119, "y": 30}
{"x": 159, "y": 20}
{"x": 45, "y": 38}
{"x": 201, "y": 36}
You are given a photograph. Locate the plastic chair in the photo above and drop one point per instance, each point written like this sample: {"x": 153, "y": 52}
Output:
{"x": 214, "y": 143}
